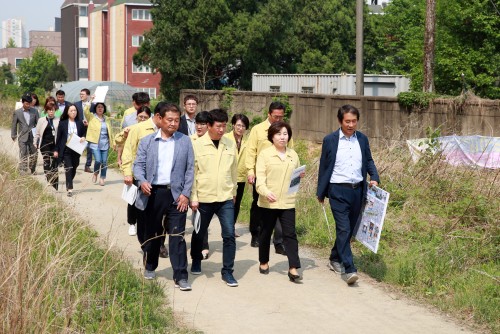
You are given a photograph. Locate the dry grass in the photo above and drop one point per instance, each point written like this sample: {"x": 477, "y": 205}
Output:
{"x": 55, "y": 277}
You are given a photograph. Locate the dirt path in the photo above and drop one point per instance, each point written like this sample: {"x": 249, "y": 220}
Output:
{"x": 261, "y": 303}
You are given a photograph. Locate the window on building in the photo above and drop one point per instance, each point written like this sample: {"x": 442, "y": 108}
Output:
{"x": 151, "y": 92}
{"x": 137, "y": 40}
{"x": 19, "y": 61}
{"x": 275, "y": 89}
{"x": 307, "y": 90}
{"x": 83, "y": 73}
{"x": 83, "y": 11}
{"x": 83, "y": 52}
{"x": 141, "y": 69}
{"x": 82, "y": 32}
{"x": 141, "y": 14}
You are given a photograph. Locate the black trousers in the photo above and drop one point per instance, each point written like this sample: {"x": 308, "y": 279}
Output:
{"x": 239, "y": 196}
{"x": 160, "y": 203}
{"x": 287, "y": 219}
{"x": 256, "y": 220}
{"x": 50, "y": 164}
{"x": 71, "y": 161}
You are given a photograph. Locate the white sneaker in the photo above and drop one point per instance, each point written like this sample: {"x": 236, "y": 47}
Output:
{"x": 132, "y": 230}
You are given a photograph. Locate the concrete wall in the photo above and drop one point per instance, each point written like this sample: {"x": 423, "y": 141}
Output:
{"x": 383, "y": 120}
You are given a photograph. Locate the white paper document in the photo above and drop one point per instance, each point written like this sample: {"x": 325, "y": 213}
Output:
{"x": 295, "y": 180}
{"x": 33, "y": 131}
{"x": 196, "y": 221}
{"x": 372, "y": 219}
{"x": 75, "y": 144}
{"x": 100, "y": 94}
{"x": 129, "y": 193}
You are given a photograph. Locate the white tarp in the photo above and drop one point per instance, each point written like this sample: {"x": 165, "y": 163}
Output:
{"x": 461, "y": 150}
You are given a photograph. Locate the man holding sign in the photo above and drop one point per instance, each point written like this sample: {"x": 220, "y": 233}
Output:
{"x": 345, "y": 160}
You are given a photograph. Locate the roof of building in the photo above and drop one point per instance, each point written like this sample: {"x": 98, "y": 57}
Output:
{"x": 68, "y": 3}
{"x": 118, "y": 93}
{"x": 132, "y": 2}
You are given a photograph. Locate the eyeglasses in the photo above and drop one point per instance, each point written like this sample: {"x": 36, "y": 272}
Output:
{"x": 240, "y": 126}
{"x": 143, "y": 118}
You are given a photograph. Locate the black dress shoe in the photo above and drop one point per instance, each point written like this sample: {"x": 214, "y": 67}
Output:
{"x": 163, "y": 252}
{"x": 280, "y": 249}
{"x": 264, "y": 271}
{"x": 254, "y": 242}
{"x": 294, "y": 278}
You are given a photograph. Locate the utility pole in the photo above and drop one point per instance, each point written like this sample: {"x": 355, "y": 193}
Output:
{"x": 429, "y": 46}
{"x": 360, "y": 79}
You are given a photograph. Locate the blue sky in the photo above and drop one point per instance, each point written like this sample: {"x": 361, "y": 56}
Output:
{"x": 36, "y": 14}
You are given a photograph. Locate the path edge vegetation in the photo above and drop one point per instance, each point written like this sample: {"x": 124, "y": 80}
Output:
{"x": 57, "y": 275}
{"x": 440, "y": 243}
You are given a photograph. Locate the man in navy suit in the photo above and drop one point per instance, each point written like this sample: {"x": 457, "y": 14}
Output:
{"x": 345, "y": 161}
{"x": 188, "y": 122}
{"x": 164, "y": 170}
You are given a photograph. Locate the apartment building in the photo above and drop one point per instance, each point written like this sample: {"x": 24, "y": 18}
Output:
{"x": 14, "y": 29}
{"x": 74, "y": 37}
{"x": 116, "y": 30}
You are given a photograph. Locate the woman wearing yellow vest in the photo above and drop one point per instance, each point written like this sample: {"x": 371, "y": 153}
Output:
{"x": 100, "y": 137}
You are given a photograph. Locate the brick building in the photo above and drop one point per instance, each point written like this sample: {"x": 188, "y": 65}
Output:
{"x": 116, "y": 30}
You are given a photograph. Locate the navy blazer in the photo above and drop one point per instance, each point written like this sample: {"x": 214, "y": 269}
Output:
{"x": 329, "y": 155}
{"x": 146, "y": 166}
{"x": 183, "y": 126}
{"x": 62, "y": 135}
{"x": 79, "y": 108}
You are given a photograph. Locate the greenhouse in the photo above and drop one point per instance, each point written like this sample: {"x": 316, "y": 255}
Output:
{"x": 119, "y": 95}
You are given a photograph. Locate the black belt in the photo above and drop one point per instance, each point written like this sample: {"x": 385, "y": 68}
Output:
{"x": 349, "y": 185}
{"x": 161, "y": 186}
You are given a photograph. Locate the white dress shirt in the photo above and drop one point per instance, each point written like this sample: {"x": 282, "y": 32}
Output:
{"x": 165, "y": 159}
{"x": 348, "y": 163}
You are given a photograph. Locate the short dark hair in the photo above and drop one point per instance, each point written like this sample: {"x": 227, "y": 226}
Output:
{"x": 142, "y": 98}
{"x": 240, "y": 117}
{"x": 190, "y": 97}
{"x": 64, "y": 115}
{"x": 276, "y": 127}
{"x": 134, "y": 96}
{"x": 26, "y": 98}
{"x": 60, "y": 92}
{"x": 217, "y": 115}
{"x": 144, "y": 109}
{"x": 100, "y": 103}
{"x": 86, "y": 90}
{"x": 276, "y": 105}
{"x": 163, "y": 107}
{"x": 347, "y": 108}
{"x": 34, "y": 96}
{"x": 202, "y": 117}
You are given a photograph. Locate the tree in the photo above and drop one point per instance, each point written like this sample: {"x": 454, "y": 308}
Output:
{"x": 6, "y": 76}
{"x": 11, "y": 43}
{"x": 430, "y": 28}
{"x": 467, "y": 41}
{"x": 40, "y": 70}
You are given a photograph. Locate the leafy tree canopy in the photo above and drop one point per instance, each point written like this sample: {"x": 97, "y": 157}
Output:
{"x": 40, "y": 71}
{"x": 212, "y": 44}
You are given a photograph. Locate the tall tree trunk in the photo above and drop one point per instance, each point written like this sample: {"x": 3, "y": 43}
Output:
{"x": 429, "y": 45}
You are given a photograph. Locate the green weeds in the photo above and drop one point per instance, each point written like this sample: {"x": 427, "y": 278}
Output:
{"x": 55, "y": 275}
